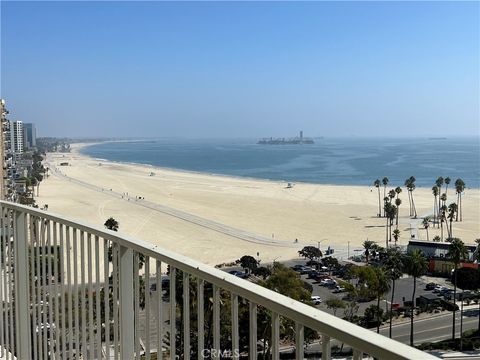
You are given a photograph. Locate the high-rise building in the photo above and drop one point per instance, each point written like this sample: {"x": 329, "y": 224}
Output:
{"x": 29, "y": 135}
{"x": 16, "y": 134}
{"x": 3, "y": 114}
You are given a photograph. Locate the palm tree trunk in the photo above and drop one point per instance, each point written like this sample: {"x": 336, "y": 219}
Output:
{"x": 396, "y": 222}
{"x": 451, "y": 235}
{"x": 384, "y": 194}
{"x": 411, "y": 315}
{"x": 427, "y": 233}
{"x": 386, "y": 234}
{"x": 461, "y": 212}
{"x": 391, "y": 308}
{"x": 379, "y": 204}
{"x": 410, "y": 202}
{"x": 414, "y": 209}
{"x": 441, "y": 231}
{"x": 454, "y": 302}
{"x": 458, "y": 204}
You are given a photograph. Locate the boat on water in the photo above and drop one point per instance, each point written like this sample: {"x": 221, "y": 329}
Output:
{"x": 298, "y": 140}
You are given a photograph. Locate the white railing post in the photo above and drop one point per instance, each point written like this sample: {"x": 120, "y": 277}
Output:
{"x": 22, "y": 299}
{"x": 127, "y": 319}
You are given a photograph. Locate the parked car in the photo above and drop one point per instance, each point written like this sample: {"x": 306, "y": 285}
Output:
{"x": 302, "y": 269}
{"x": 317, "y": 300}
{"x": 328, "y": 282}
{"x": 339, "y": 289}
{"x": 239, "y": 274}
{"x": 430, "y": 286}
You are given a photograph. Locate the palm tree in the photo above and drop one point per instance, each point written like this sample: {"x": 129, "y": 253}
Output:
{"x": 385, "y": 183}
{"x": 456, "y": 252}
{"x": 394, "y": 269}
{"x": 435, "y": 192}
{"x": 398, "y": 202}
{"x": 452, "y": 210}
{"x": 436, "y": 238}
{"x": 459, "y": 188}
{"x": 407, "y": 185}
{"x": 368, "y": 246}
{"x": 410, "y": 184}
{"x": 443, "y": 198}
{"x": 382, "y": 286}
{"x": 439, "y": 183}
{"x": 447, "y": 182}
{"x": 398, "y": 190}
{"x": 426, "y": 224}
{"x": 396, "y": 236}
{"x": 443, "y": 211}
{"x": 111, "y": 224}
{"x": 415, "y": 266}
{"x": 376, "y": 183}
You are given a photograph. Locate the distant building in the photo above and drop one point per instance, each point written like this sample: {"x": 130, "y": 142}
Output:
{"x": 29, "y": 136}
{"x": 3, "y": 114}
{"x": 16, "y": 136}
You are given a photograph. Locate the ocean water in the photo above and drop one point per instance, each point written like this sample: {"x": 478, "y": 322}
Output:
{"x": 329, "y": 161}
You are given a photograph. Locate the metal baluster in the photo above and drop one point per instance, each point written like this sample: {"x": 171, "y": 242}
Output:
{"x": 11, "y": 280}
{"x": 200, "y": 317}
{"x": 44, "y": 286}
{"x": 299, "y": 339}
{"x": 39, "y": 306}
{"x": 159, "y": 309}
{"x": 137, "y": 304}
{"x": 216, "y": 322}
{"x": 106, "y": 296}
{"x": 186, "y": 316}
{"x": 55, "y": 276}
{"x": 98, "y": 310}
{"x": 83, "y": 296}
{"x": 253, "y": 330}
{"x": 235, "y": 336}
{"x": 147, "y": 308}
{"x": 115, "y": 300}
{"x": 69, "y": 307}
{"x": 76, "y": 293}
{"x": 64, "y": 313}
{"x": 173, "y": 313}
{"x": 6, "y": 281}
{"x": 33, "y": 292}
{"x": 275, "y": 336}
{"x": 326, "y": 351}
{"x": 91, "y": 326}
{"x": 357, "y": 354}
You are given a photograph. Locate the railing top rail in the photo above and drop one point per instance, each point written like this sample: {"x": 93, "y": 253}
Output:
{"x": 357, "y": 337}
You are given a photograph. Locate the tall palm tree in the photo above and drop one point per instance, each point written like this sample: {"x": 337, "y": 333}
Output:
{"x": 447, "y": 182}
{"x": 439, "y": 183}
{"x": 443, "y": 199}
{"x": 376, "y": 183}
{"x": 411, "y": 188}
{"x": 398, "y": 190}
{"x": 398, "y": 202}
{"x": 443, "y": 211}
{"x": 426, "y": 224}
{"x": 415, "y": 265}
{"x": 394, "y": 269}
{"x": 382, "y": 286}
{"x": 435, "y": 192}
{"x": 459, "y": 188}
{"x": 456, "y": 252}
{"x": 392, "y": 194}
{"x": 452, "y": 210}
{"x": 407, "y": 185}
{"x": 385, "y": 183}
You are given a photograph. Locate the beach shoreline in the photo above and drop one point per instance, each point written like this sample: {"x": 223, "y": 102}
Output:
{"x": 339, "y": 216}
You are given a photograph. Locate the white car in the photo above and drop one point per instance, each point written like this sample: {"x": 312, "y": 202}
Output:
{"x": 317, "y": 300}
{"x": 328, "y": 282}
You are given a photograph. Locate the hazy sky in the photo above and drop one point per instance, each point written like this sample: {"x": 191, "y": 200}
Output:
{"x": 242, "y": 69}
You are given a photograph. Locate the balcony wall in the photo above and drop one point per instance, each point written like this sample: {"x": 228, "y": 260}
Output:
{"x": 74, "y": 291}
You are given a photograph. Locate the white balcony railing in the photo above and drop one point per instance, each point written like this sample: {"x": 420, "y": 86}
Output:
{"x": 67, "y": 296}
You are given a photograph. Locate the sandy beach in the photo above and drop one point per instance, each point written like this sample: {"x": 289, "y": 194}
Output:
{"x": 218, "y": 219}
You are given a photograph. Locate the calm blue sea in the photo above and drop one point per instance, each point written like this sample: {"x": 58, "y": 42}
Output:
{"x": 328, "y": 161}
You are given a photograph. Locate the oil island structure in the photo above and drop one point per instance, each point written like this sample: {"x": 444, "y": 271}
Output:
{"x": 298, "y": 140}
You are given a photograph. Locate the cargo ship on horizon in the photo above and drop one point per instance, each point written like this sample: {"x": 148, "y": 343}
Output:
{"x": 298, "y": 140}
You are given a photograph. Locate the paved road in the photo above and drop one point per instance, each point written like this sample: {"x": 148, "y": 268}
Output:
{"x": 179, "y": 214}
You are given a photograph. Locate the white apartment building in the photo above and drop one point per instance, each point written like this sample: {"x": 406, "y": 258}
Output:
{"x": 16, "y": 131}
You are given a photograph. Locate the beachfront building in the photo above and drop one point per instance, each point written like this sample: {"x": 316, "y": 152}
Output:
{"x": 16, "y": 137}
{"x": 29, "y": 136}
{"x": 99, "y": 299}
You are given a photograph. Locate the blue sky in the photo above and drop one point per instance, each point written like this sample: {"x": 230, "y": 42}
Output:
{"x": 218, "y": 69}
